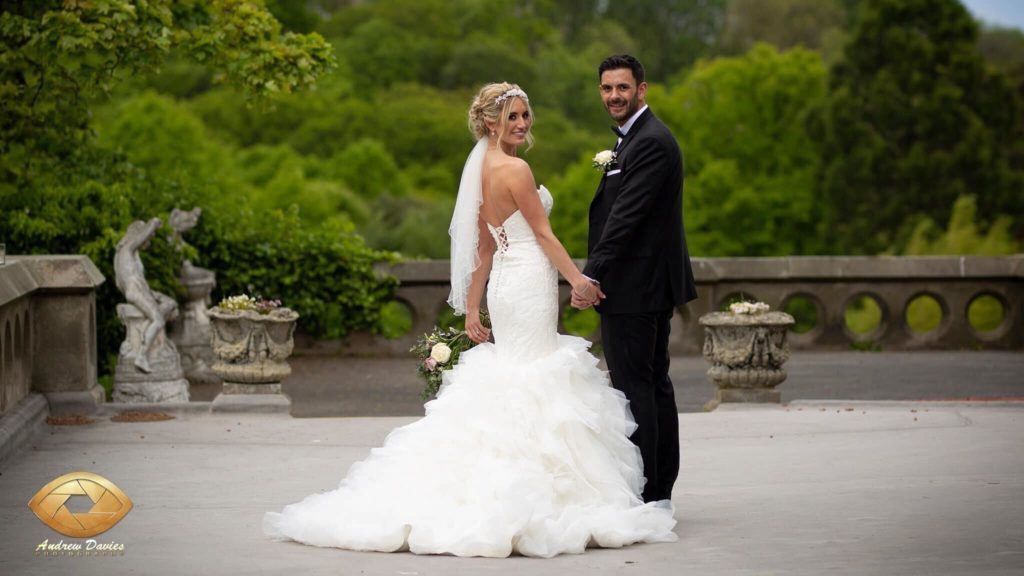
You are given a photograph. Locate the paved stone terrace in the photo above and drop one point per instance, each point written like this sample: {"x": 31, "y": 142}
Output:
{"x": 855, "y": 475}
{"x": 336, "y": 386}
{"x": 813, "y": 488}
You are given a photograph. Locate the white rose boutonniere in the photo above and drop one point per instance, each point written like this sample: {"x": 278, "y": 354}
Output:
{"x": 441, "y": 353}
{"x": 604, "y": 160}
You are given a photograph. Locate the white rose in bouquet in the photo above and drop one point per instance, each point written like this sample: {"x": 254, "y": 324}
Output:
{"x": 441, "y": 352}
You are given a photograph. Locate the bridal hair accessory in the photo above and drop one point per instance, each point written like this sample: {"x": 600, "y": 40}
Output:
{"x": 510, "y": 93}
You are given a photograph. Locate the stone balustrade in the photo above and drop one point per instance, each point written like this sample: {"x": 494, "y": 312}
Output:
{"x": 824, "y": 286}
{"x": 48, "y": 311}
{"x": 48, "y": 331}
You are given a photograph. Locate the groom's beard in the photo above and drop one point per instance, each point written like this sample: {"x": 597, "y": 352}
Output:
{"x": 632, "y": 106}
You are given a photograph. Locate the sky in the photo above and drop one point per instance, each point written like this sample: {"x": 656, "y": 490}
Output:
{"x": 1006, "y": 13}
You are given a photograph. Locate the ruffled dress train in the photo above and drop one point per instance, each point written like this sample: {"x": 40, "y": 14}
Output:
{"x": 525, "y": 449}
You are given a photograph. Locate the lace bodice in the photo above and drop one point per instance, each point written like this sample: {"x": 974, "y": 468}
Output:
{"x": 522, "y": 293}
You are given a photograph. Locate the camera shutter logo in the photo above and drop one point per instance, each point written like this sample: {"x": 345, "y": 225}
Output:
{"x": 109, "y": 504}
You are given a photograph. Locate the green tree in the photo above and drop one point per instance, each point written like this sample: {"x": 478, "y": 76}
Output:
{"x": 162, "y": 138}
{"x": 368, "y": 168}
{"x": 384, "y": 53}
{"x": 58, "y": 56}
{"x": 63, "y": 190}
{"x": 914, "y": 119}
{"x": 573, "y": 191}
{"x": 294, "y": 15}
{"x": 484, "y": 58}
{"x": 812, "y": 24}
{"x": 963, "y": 235}
{"x": 750, "y": 163}
{"x": 1004, "y": 49}
{"x": 671, "y": 34}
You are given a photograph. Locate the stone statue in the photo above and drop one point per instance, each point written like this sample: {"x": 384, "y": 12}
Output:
{"x": 181, "y": 222}
{"x": 148, "y": 368}
{"x": 131, "y": 281}
{"x": 191, "y": 331}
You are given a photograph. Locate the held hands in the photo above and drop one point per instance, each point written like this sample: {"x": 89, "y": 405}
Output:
{"x": 475, "y": 329}
{"x": 586, "y": 293}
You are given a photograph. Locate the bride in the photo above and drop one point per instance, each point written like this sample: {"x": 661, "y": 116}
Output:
{"x": 526, "y": 447}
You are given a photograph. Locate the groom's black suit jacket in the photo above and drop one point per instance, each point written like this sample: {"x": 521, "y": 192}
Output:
{"x": 636, "y": 248}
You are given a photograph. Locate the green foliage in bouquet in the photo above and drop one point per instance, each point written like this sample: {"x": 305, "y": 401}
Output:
{"x": 439, "y": 351}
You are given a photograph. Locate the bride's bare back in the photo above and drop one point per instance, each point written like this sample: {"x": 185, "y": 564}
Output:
{"x": 498, "y": 200}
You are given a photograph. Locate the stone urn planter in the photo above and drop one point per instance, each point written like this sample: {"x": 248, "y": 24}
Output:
{"x": 251, "y": 350}
{"x": 746, "y": 353}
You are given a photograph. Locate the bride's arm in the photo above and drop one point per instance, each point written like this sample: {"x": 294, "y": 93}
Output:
{"x": 476, "y": 331}
{"x": 524, "y": 191}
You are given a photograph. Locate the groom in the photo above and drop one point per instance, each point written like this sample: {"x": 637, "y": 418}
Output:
{"x": 637, "y": 252}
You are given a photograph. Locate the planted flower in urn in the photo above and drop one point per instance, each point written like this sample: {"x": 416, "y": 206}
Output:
{"x": 744, "y": 307}
{"x": 243, "y": 302}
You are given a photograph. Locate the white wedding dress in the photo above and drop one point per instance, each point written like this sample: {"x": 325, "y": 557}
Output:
{"x": 525, "y": 449}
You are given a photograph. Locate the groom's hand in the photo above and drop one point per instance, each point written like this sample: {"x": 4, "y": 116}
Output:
{"x": 579, "y": 303}
{"x": 587, "y": 294}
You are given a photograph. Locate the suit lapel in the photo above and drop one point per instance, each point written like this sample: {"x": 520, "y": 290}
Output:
{"x": 634, "y": 129}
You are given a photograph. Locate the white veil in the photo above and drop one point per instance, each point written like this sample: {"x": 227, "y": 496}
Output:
{"x": 465, "y": 228}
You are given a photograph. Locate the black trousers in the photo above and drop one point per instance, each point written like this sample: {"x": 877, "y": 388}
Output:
{"x": 636, "y": 350}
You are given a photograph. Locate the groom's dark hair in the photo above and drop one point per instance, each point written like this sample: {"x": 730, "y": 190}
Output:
{"x": 622, "y": 61}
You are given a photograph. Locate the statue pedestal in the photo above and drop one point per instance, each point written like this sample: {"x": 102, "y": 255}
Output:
{"x": 165, "y": 382}
{"x": 191, "y": 332}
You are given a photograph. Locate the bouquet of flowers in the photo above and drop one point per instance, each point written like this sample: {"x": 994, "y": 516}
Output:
{"x": 439, "y": 351}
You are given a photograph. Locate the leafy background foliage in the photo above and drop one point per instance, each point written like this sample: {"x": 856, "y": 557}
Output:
{"x": 322, "y": 136}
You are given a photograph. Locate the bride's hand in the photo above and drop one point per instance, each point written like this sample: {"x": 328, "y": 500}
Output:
{"x": 588, "y": 290}
{"x": 476, "y": 331}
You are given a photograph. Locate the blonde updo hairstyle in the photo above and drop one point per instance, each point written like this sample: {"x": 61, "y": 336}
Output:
{"x": 485, "y": 108}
